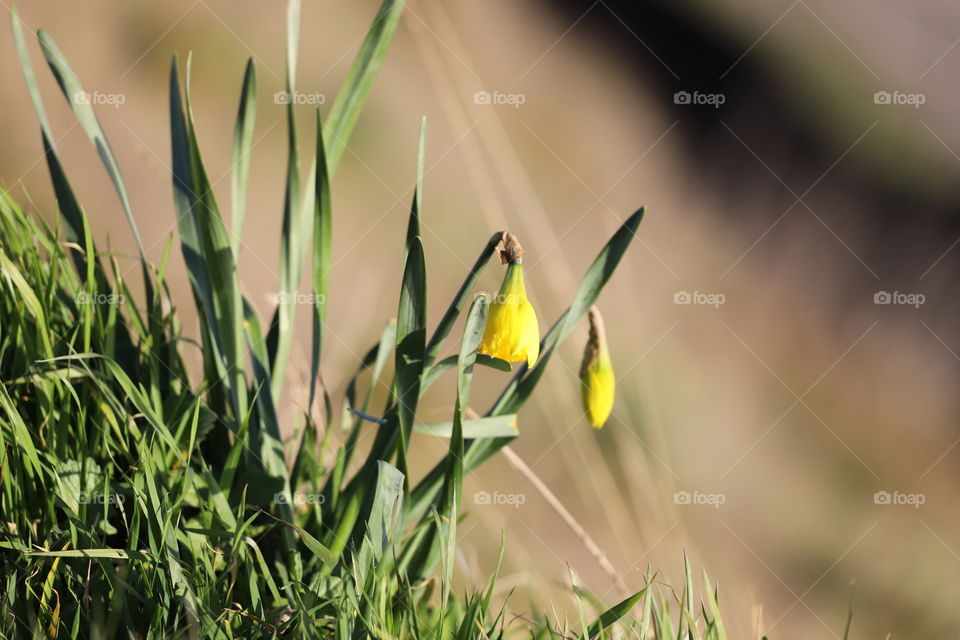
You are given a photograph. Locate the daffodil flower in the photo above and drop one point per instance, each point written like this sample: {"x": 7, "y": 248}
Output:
{"x": 596, "y": 374}
{"x": 512, "y": 331}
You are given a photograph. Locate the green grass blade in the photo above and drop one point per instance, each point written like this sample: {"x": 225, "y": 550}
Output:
{"x": 453, "y": 481}
{"x": 488, "y": 427}
{"x": 27, "y": 69}
{"x": 322, "y": 250}
{"x": 83, "y": 111}
{"x": 411, "y": 341}
{"x": 436, "y": 542}
{"x": 614, "y": 613}
{"x": 66, "y": 200}
{"x": 346, "y": 108}
{"x": 472, "y": 334}
{"x": 291, "y": 256}
{"x": 215, "y": 264}
{"x": 413, "y": 225}
{"x": 242, "y": 144}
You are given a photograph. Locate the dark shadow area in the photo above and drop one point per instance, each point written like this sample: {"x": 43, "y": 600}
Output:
{"x": 674, "y": 49}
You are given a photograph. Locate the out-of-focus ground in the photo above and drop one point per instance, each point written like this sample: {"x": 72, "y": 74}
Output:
{"x": 786, "y": 407}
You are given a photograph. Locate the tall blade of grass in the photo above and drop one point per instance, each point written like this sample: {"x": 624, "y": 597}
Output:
{"x": 70, "y": 210}
{"x": 449, "y": 506}
{"x": 413, "y": 225}
{"x": 411, "y": 342}
{"x": 438, "y": 529}
{"x": 27, "y": 69}
{"x": 343, "y": 115}
{"x": 346, "y": 108}
{"x": 184, "y": 197}
{"x": 613, "y": 614}
{"x": 82, "y": 109}
{"x": 322, "y": 249}
{"x": 186, "y": 207}
{"x": 207, "y": 249}
{"x": 242, "y": 143}
{"x": 280, "y": 338}
{"x": 67, "y": 202}
{"x": 65, "y": 198}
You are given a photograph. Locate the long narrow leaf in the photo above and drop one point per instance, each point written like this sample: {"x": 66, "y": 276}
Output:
{"x": 346, "y": 108}
{"x": 322, "y": 249}
{"x": 291, "y": 256}
{"x": 242, "y": 143}
{"x": 411, "y": 341}
{"x": 79, "y": 101}
{"x": 614, "y": 613}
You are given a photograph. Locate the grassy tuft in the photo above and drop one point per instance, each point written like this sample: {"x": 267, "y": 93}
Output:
{"x": 141, "y": 501}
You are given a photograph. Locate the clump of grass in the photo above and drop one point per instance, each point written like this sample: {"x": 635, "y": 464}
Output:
{"x": 139, "y": 502}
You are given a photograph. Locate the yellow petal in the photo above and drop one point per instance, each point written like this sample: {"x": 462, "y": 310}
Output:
{"x": 512, "y": 332}
{"x": 597, "y": 379}
{"x": 598, "y": 390}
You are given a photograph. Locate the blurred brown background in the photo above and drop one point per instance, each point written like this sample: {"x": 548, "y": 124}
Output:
{"x": 799, "y": 163}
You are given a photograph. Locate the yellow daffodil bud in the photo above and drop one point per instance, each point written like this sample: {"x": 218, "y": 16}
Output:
{"x": 597, "y": 380}
{"x": 512, "y": 331}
